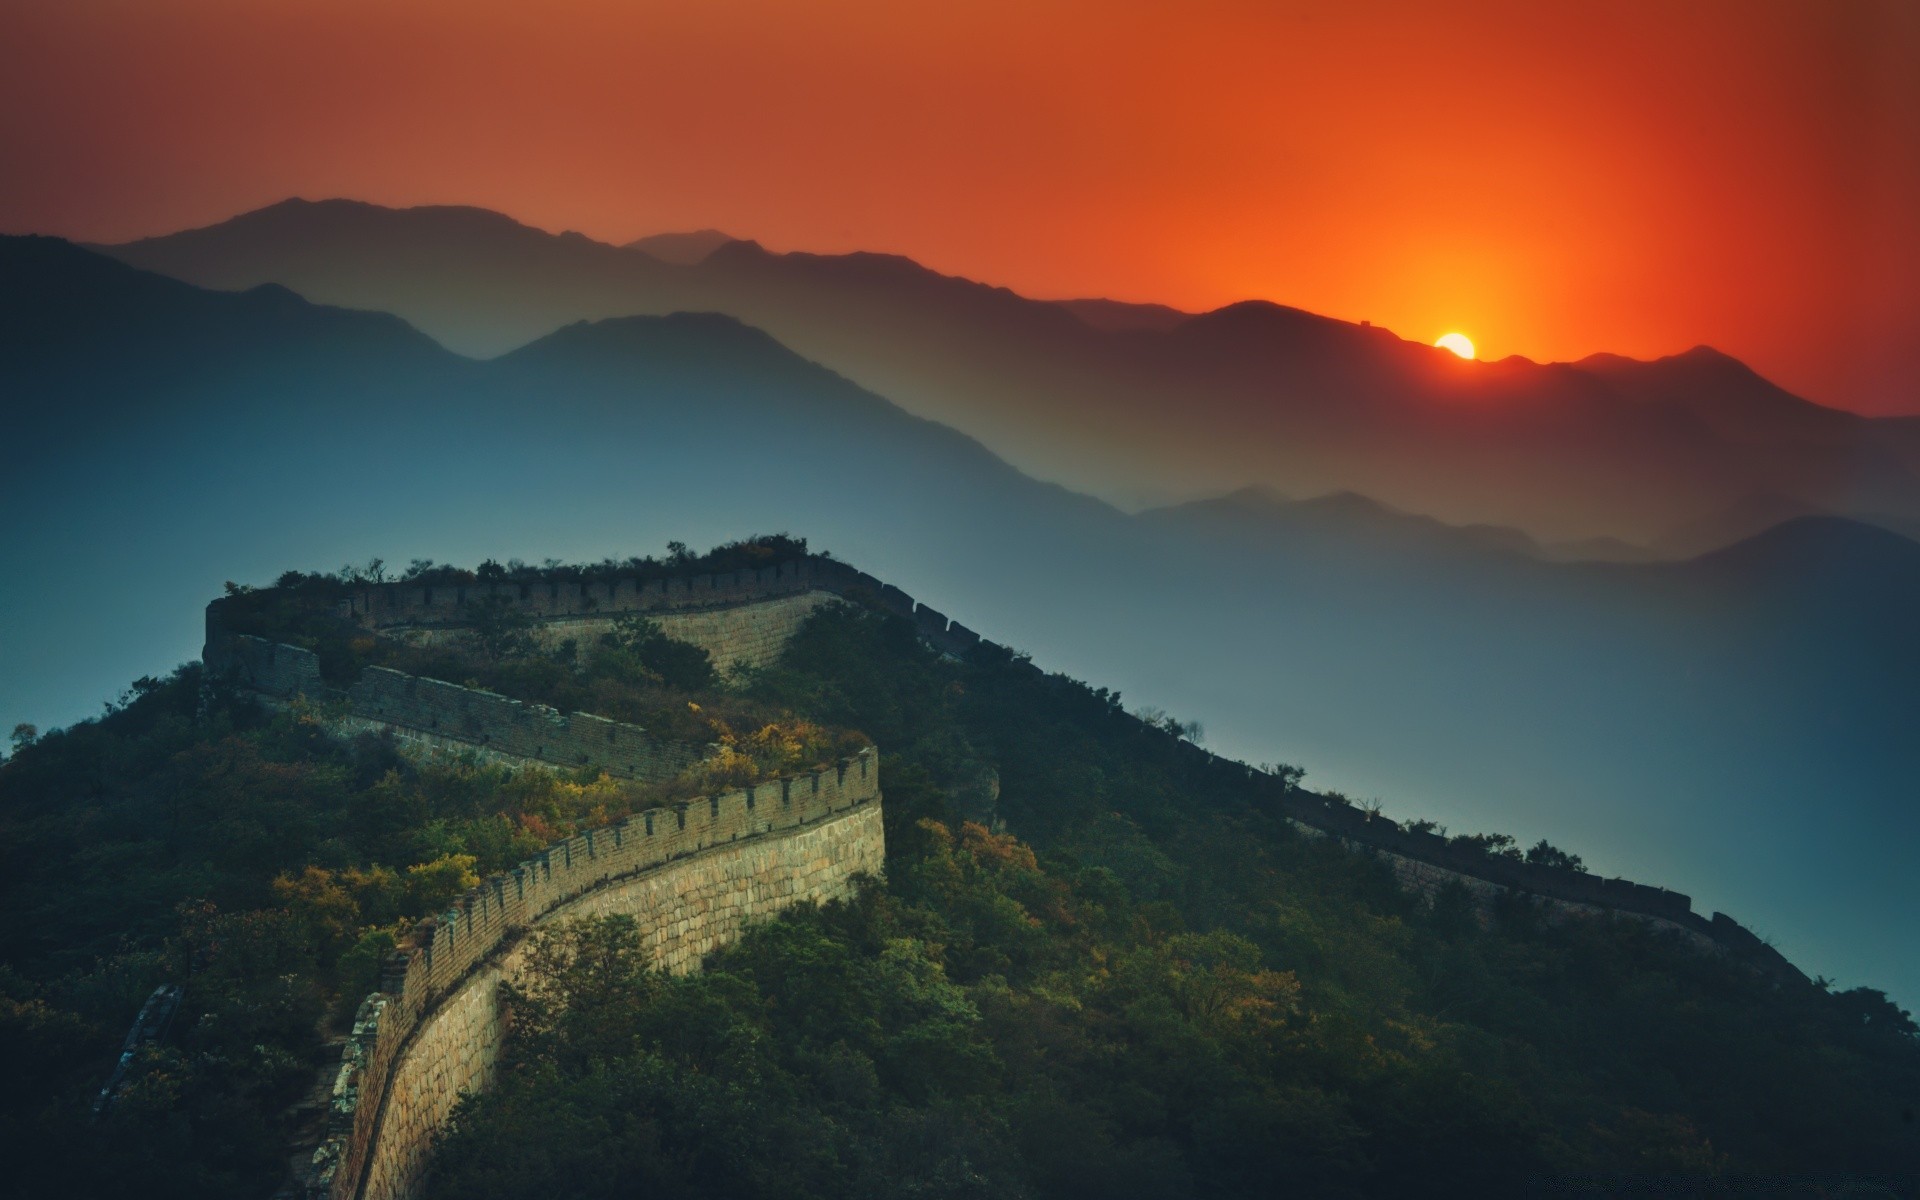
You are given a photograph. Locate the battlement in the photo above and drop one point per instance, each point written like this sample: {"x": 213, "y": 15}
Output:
{"x": 386, "y": 605}
{"x": 397, "y": 1081}
{"x": 1332, "y": 817}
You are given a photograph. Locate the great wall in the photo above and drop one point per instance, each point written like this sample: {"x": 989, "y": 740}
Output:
{"x": 695, "y": 872}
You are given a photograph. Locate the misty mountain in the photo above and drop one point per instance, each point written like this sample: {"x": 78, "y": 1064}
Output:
{"x": 1346, "y": 519}
{"x": 686, "y": 249}
{"x": 1733, "y": 726}
{"x": 1136, "y": 404}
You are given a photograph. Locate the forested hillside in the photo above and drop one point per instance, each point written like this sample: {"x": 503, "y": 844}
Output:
{"x": 1096, "y": 967}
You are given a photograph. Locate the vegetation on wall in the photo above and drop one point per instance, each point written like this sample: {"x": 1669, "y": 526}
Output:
{"x": 1123, "y": 976}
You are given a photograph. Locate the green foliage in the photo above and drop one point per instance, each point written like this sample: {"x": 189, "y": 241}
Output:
{"x": 678, "y": 664}
{"x": 1098, "y": 966}
{"x": 1494, "y": 845}
{"x": 1164, "y": 992}
{"x": 1545, "y": 854}
{"x": 499, "y": 628}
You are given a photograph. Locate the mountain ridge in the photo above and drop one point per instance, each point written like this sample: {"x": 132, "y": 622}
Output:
{"x": 1137, "y": 410}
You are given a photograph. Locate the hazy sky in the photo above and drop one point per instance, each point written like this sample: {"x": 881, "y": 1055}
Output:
{"x": 1553, "y": 179}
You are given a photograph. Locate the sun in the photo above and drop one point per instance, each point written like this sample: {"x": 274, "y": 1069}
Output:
{"x": 1459, "y": 343}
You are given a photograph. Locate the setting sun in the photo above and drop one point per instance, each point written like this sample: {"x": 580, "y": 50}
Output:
{"x": 1459, "y": 343}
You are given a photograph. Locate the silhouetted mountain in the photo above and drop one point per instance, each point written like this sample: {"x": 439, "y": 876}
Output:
{"x": 685, "y": 249}
{"x": 1826, "y": 555}
{"x": 1127, "y": 402}
{"x": 1350, "y": 520}
{"x": 1598, "y": 549}
{"x": 1746, "y": 517}
{"x": 1118, "y": 316}
{"x": 1737, "y": 726}
{"x": 1753, "y": 515}
{"x": 65, "y": 309}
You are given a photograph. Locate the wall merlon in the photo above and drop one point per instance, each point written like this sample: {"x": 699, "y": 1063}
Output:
{"x": 931, "y": 624}
{"x": 896, "y": 601}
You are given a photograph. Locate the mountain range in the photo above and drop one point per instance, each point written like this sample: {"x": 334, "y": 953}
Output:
{"x": 1734, "y": 725}
{"x": 1137, "y": 404}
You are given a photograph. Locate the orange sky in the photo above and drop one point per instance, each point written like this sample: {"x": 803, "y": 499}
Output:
{"x": 1553, "y": 179}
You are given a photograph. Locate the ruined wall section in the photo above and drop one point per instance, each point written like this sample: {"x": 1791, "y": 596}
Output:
{"x": 381, "y": 606}
{"x": 737, "y": 635}
{"x": 271, "y": 668}
{"x": 438, "y": 720}
{"x": 692, "y": 874}
{"x": 444, "y": 718}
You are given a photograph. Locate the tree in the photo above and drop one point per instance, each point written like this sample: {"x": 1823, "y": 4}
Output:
{"x": 1545, "y": 854}
{"x": 678, "y": 664}
{"x": 1494, "y": 845}
{"x": 24, "y": 735}
{"x": 499, "y": 627}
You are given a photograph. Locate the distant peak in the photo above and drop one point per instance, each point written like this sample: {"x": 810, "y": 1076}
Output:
{"x": 1257, "y": 495}
{"x": 1348, "y": 501}
{"x": 275, "y": 293}
{"x": 675, "y": 335}
{"x": 682, "y": 249}
{"x": 1701, "y": 355}
{"x": 298, "y": 217}
{"x": 1815, "y": 543}
{"x": 1256, "y": 308}
{"x": 1705, "y": 353}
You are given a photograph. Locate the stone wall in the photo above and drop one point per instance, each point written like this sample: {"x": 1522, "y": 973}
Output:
{"x": 384, "y": 606}
{"x": 560, "y": 605}
{"x": 750, "y": 634}
{"x": 693, "y": 874}
{"x": 271, "y": 668}
{"x": 438, "y": 720}
{"x": 435, "y": 715}
{"x": 1428, "y": 879}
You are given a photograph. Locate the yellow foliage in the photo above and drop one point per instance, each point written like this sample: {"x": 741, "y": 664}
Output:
{"x": 317, "y": 898}
{"x": 996, "y": 849}
{"x": 431, "y": 885}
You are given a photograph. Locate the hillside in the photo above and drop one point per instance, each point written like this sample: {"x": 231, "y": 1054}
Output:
{"x": 1149, "y": 983}
{"x": 1641, "y": 711}
{"x": 1131, "y": 403}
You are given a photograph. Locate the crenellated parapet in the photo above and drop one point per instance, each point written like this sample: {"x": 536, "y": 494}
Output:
{"x": 1491, "y": 874}
{"x": 386, "y": 605}
{"x": 691, "y": 873}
